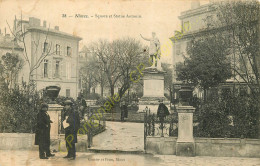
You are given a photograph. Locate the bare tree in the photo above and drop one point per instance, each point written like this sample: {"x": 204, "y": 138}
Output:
{"x": 240, "y": 19}
{"x": 118, "y": 59}
{"x": 19, "y": 36}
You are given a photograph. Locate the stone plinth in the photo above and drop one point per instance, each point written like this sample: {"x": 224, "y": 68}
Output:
{"x": 55, "y": 113}
{"x": 185, "y": 143}
{"x": 153, "y": 90}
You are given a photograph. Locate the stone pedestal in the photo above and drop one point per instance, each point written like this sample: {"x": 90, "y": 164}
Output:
{"x": 153, "y": 90}
{"x": 55, "y": 113}
{"x": 185, "y": 143}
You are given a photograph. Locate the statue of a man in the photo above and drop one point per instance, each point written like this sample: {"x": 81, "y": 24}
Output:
{"x": 154, "y": 50}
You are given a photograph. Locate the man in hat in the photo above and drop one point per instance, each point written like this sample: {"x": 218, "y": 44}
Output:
{"x": 71, "y": 124}
{"x": 42, "y": 134}
{"x": 162, "y": 112}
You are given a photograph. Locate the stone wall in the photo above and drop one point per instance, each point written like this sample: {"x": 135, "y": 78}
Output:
{"x": 25, "y": 141}
{"x": 217, "y": 147}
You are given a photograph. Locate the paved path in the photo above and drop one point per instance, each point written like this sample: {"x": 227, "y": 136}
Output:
{"x": 30, "y": 158}
{"x": 122, "y": 136}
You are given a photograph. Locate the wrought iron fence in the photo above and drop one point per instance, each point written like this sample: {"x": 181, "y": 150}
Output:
{"x": 160, "y": 126}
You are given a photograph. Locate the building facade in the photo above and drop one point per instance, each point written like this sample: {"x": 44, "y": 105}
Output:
{"x": 53, "y": 56}
{"x": 194, "y": 23}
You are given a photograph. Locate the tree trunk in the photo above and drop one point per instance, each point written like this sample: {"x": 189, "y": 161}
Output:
{"x": 102, "y": 89}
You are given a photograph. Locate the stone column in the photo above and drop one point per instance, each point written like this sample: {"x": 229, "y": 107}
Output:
{"x": 185, "y": 143}
{"x": 55, "y": 112}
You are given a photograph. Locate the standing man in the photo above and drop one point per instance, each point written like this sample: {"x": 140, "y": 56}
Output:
{"x": 42, "y": 134}
{"x": 162, "y": 112}
{"x": 123, "y": 111}
{"x": 71, "y": 124}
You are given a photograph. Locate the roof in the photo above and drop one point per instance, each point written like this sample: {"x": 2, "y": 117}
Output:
{"x": 8, "y": 43}
{"x": 207, "y": 8}
{"x": 54, "y": 32}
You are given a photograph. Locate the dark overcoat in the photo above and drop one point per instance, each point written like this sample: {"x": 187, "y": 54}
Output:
{"x": 74, "y": 124}
{"x": 42, "y": 133}
{"x": 162, "y": 110}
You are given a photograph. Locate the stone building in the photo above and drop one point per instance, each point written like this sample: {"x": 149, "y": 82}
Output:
{"x": 194, "y": 22}
{"x": 53, "y": 55}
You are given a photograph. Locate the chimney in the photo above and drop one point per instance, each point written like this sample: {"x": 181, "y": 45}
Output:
{"x": 195, "y": 4}
{"x": 44, "y": 24}
{"x": 56, "y": 28}
{"x": 35, "y": 22}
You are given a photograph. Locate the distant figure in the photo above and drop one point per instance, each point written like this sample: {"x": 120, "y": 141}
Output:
{"x": 42, "y": 134}
{"x": 71, "y": 124}
{"x": 123, "y": 111}
{"x": 154, "y": 50}
{"x": 82, "y": 106}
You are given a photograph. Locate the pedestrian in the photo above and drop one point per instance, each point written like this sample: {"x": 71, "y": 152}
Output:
{"x": 123, "y": 108}
{"x": 126, "y": 110}
{"x": 162, "y": 112}
{"x": 82, "y": 105}
{"x": 42, "y": 134}
{"x": 71, "y": 124}
{"x": 89, "y": 128}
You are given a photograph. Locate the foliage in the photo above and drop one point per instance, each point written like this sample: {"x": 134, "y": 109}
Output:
{"x": 168, "y": 79}
{"x": 207, "y": 64}
{"x": 241, "y": 20}
{"x": 9, "y": 68}
{"x": 17, "y": 110}
{"x": 229, "y": 115}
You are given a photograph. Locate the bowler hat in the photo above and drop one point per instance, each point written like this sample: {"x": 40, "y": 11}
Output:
{"x": 68, "y": 102}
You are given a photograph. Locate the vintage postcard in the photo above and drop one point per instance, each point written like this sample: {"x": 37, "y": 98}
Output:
{"x": 129, "y": 82}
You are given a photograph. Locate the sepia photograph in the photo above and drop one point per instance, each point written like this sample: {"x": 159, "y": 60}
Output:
{"x": 130, "y": 83}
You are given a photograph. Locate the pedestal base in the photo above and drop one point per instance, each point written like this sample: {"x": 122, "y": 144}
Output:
{"x": 185, "y": 149}
{"x": 55, "y": 114}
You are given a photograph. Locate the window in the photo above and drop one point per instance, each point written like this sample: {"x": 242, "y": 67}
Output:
{"x": 57, "y": 69}
{"x": 57, "y": 49}
{"x": 68, "y": 51}
{"x": 45, "y": 47}
{"x": 45, "y": 68}
{"x": 186, "y": 26}
{"x": 67, "y": 92}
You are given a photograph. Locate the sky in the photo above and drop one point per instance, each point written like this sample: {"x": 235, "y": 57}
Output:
{"x": 160, "y": 16}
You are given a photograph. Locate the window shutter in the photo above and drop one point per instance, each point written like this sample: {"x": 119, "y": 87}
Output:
{"x": 53, "y": 68}
{"x": 42, "y": 69}
{"x": 61, "y": 51}
{"x": 42, "y": 48}
{"x": 61, "y": 69}
{"x": 49, "y": 69}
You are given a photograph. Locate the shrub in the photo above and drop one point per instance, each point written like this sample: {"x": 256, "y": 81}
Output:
{"x": 229, "y": 115}
{"x": 18, "y": 110}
